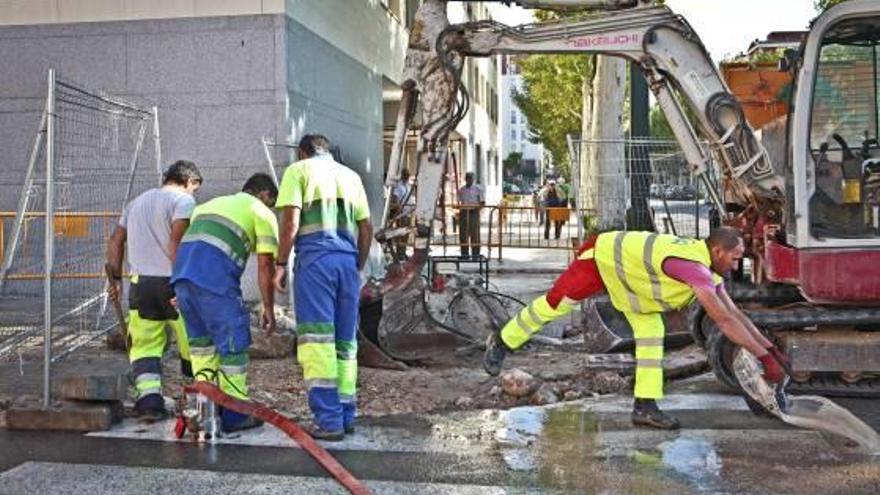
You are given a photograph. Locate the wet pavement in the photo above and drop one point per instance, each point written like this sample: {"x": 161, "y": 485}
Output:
{"x": 585, "y": 446}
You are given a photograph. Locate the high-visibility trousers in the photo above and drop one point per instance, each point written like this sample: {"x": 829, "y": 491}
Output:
{"x": 648, "y": 331}
{"x": 327, "y": 291}
{"x": 219, "y": 330}
{"x": 150, "y": 311}
{"x": 579, "y": 281}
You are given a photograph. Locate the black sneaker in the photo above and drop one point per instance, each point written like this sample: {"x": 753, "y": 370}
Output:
{"x": 349, "y": 429}
{"x": 246, "y": 424}
{"x": 319, "y": 433}
{"x": 496, "y": 351}
{"x": 646, "y": 413}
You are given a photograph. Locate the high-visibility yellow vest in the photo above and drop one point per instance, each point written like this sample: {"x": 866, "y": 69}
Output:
{"x": 631, "y": 266}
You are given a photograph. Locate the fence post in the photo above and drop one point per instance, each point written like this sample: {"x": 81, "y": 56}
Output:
{"x": 157, "y": 143}
{"x": 500, "y": 234}
{"x": 49, "y": 241}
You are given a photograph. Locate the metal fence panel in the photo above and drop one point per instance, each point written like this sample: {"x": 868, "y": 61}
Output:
{"x": 90, "y": 157}
{"x": 649, "y": 187}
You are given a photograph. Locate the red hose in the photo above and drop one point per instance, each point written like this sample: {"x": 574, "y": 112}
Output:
{"x": 286, "y": 425}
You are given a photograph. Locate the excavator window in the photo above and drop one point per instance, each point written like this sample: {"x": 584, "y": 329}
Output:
{"x": 844, "y": 132}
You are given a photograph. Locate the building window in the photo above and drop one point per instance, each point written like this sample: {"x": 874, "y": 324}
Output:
{"x": 523, "y": 134}
{"x": 412, "y": 6}
{"x": 513, "y": 135}
{"x": 513, "y": 116}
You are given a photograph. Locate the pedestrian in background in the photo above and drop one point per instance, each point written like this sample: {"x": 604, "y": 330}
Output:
{"x": 471, "y": 201}
{"x": 552, "y": 199}
{"x": 207, "y": 280}
{"x": 150, "y": 230}
{"x": 326, "y": 215}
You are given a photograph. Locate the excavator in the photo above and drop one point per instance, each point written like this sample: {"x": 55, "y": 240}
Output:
{"x": 805, "y": 196}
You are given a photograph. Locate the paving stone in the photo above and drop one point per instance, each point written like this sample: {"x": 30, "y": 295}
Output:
{"x": 70, "y": 416}
{"x": 94, "y": 387}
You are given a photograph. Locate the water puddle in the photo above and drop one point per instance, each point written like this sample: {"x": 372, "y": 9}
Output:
{"x": 566, "y": 450}
{"x": 812, "y": 412}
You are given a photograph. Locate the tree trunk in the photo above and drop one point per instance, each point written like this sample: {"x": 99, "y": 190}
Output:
{"x": 607, "y": 165}
{"x": 587, "y": 184}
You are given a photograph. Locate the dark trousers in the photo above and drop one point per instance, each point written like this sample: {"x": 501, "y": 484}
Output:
{"x": 557, "y": 226}
{"x": 469, "y": 232}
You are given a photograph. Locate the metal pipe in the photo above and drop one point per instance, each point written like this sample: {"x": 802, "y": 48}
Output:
{"x": 272, "y": 172}
{"x": 134, "y": 161}
{"x": 49, "y": 254}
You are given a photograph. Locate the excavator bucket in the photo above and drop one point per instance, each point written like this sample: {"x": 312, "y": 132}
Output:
{"x": 608, "y": 331}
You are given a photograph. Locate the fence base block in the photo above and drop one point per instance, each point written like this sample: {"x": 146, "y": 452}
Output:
{"x": 69, "y": 416}
{"x": 94, "y": 387}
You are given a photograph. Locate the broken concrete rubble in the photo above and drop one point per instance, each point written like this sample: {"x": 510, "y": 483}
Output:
{"x": 518, "y": 383}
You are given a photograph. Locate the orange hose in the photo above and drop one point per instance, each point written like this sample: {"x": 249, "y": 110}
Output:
{"x": 286, "y": 425}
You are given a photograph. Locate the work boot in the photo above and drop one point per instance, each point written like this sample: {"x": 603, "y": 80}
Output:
{"x": 646, "y": 413}
{"x": 151, "y": 408}
{"x": 319, "y": 433}
{"x": 496, "y": 351}
{"x": 247, "y": 423}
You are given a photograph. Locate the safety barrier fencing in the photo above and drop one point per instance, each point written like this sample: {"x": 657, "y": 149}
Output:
{"x": 528, "y": 227}
{"x": 91, "y": 154}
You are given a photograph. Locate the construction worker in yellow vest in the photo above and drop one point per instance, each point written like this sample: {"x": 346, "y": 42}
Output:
{"x": 646, "y": 274}
{"x": 207, "y": 273}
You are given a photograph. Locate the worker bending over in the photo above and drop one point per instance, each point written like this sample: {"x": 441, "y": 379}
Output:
{"x": 150, "y": 228}
{"x": 646, "y": 274}
{"x": 325, "y": 212}
{"x": 207, "y": 281}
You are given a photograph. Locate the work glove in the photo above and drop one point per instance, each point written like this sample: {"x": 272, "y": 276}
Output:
{"x": 773, "y": 372}
{"x": 781, "y": 358}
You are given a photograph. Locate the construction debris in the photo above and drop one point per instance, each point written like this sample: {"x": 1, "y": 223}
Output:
{"x": 518, "y": 383}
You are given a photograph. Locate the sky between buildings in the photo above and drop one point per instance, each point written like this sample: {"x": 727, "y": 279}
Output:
{"x": 725, "y": 26}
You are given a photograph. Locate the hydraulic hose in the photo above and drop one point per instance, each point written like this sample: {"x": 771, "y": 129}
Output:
{"x": 286, "y": 425}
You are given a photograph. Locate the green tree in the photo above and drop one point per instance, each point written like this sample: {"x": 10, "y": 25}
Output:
{"x": 822, "y": 5}
{"x": 551, "y": 97}
{"x": 513, "y": 164}
{"x": 659, "y": 125}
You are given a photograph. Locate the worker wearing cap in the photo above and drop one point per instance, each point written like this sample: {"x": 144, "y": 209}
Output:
{"x": 207, "y": 280}
{"x": 325, "y": 212}
{"x": 150, "y": 230}
{"x": 646, "y": 274}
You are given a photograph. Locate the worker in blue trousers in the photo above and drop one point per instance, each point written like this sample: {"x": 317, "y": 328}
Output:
{"x": 207, "y": 281}
{"x": 326, "y": 214}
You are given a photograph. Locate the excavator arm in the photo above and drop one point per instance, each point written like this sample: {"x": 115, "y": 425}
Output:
{"x": 671, "y": 56}
{"x": 712, "y": 131}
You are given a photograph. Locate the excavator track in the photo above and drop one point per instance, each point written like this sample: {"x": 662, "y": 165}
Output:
{"x": 719, "y": 348}
{"x": 832, "y": 386}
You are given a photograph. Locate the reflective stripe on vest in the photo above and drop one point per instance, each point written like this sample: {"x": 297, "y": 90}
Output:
{"x": 631, "y": 265}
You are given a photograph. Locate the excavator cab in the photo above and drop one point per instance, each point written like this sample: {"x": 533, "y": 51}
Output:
{"x": 843, "y": 149}
{"x": 832, "y": 231}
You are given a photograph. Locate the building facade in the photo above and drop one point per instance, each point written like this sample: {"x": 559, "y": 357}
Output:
{"x": 515, "y": 136}
{"x": 224, "y": 74}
